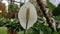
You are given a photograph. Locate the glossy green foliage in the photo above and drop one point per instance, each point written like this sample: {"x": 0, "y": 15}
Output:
{"x": 13, "y": 7}
{"x": 50, "y": 5}
{"x": 56, "y": 11}
{"x": 3, "y": 30}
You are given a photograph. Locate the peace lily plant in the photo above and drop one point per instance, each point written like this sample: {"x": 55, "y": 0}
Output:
{"x": 27, "y": 15}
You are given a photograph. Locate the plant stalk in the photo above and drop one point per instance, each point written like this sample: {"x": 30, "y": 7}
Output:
{"x": 26, "y": 27}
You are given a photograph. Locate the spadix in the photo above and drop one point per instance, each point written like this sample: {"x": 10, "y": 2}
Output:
{"x": 27, "y": 13}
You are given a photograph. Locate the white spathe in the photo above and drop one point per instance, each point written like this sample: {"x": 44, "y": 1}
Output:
{"x": 32, "y": 17}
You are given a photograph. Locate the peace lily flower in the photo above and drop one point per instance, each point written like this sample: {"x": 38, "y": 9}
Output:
{"x": 28, "y": 14}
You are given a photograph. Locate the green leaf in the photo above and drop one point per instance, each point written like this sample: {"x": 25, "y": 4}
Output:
{"x": 50, "y": 5}
{"x": 58, "y": 30}
{"x": 56, "y": 11}
{"x": 3, "y": 30}
{"x": 54, "y": 33}
{"x": 21, "y": 32}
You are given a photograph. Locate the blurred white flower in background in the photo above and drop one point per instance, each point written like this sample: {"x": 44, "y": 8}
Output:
{"x": 55, "y": 2}
{"x": 44, "y": 0}
{"x": 22, "y": 1}
{"x": 5, "y": 2}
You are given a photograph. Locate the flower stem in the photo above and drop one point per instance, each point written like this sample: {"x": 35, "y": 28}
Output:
{"x": 26, "y": 27}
